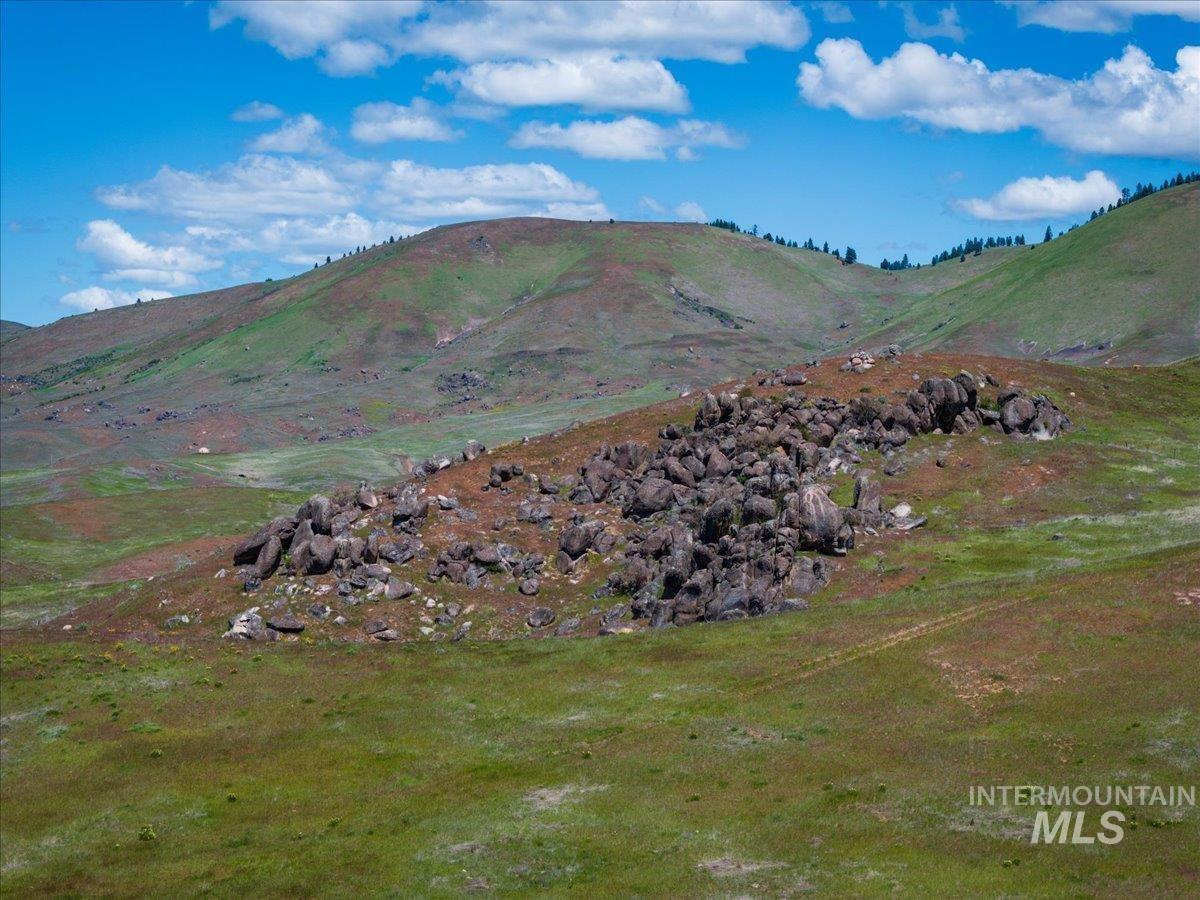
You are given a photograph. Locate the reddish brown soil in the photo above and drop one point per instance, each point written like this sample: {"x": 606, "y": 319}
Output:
{"x": 196, "y": 591}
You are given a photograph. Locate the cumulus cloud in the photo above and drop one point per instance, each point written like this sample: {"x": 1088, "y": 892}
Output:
{"x": 254, "y": 186}
{"x": 419, "y": 191}
{"x": 947, "y": 24}
{"x": 651, "y": 205}
{"x": 93, "y": 298}
{"x": 131, "y": 259}
{"x": 834, "y": 13}
{"x": 688, "y": 29}
{"x": 241, "y": 206}
{"x": 302, "y": 241}
{"x": 305, "y": 134}
{"x": 354, "y": 37}
{"x": 1104, "y": 16}
{"x": 256, "y": 111}
{"x": 595, "y": 81}
{"x": 346, "y": 58}
{"x": 690, "y": 211}
{"x": 1127, "y": 107}
{"x": 1043, "y": 198}
{"x": 629, "y": 138}
{"x": 376, "y": 123}
{"x": 343, "y": 34}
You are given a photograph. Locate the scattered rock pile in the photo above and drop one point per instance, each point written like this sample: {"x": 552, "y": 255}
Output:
{"x": 727, "y": 517}
{"x": 859, "y": 362}
{"x": 783, "y": 377}
{"x": 730, "y": 505}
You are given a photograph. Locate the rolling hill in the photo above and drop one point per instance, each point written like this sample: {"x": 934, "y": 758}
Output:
{"x": 520, "y": 312}
{"x": 10, "y": 329}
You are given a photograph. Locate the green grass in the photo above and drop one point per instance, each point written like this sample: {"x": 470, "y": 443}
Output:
{"x": 1128, "y": 278}
{"x": 387, "y": 454}
{"x": 55, "y": 554}
{"x": 826, "y": 751}
{"x": 618, "y": 767}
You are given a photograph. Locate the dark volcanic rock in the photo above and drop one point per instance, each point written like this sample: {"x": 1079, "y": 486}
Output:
{"x": 654, "y": 495}
{"x": 287, "y": 623}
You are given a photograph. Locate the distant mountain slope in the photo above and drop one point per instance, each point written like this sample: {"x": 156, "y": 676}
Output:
{"x": 1124, "y": 288}
{"x": 10, "y": 329}
{"x": 503, "y": 314}
{"x": 465, "y": 317}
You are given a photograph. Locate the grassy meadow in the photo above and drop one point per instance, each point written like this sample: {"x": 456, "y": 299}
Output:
{"x": 1042, "y": 629}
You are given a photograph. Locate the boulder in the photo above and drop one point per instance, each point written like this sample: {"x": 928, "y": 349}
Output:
{"x": 398, "y": 590}
{"x": 268, "y": 557}
{"x": 315, "y": 557}
{"x": 817, "y": 518}
{"x": 319, "y": 510}
{"x": 758, "y": 509}
{"x": 249, "y": 626}
{"x": 247, "y": 551}
{"x": 717, "y": 520}
{"x": 408, "y": 508}
{"x": 1017, "y": 414}
{"x": 868, "y": 493}
{"x": 576, "y": 540}
{"x": 365, "y": 497}
{"x": 807, "y": 575}
{"x": 718, "y": 465}
{"x": 288, "y": 623}
{"x": 540, "y": 617}
{"x": 654, "y": 495}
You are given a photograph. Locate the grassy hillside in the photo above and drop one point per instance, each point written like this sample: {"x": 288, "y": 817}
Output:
{"x": 9, "y": 329}
{"x": 1124, "y": 288}
{"x": 334, "y": 375}
{"x": 546, "y": 311}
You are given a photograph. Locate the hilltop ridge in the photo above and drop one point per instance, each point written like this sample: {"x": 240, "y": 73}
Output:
{"x": 507, "y": 313}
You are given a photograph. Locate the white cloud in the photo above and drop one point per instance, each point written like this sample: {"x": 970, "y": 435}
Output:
{"x": 595, "y": 81}
{"x": 686, "y": 29}
{"x": 133, "y": 260}
{"x": 947, "y": 24}
{"x": 1128, "y": 107}
{"x": 1043, "y": 198}
{"x": 577, "y": 211}
{"x": 346, "y": 58}
{"x": 375, "y": 123}
{"x": 252, "y": 187}
{"x": 93, "y": 298}
{"x": 344, "y": 34}
{"x": 651, "y": 205}
{"x": 417, "y": 191}
{"x": 304, "y": 134}
{"x": 690, "y": 211}
{"x": 629, "y": 138}
{"x": 354, "y": 37}
{"x": 531, "y": 181}
{"x": 256, "y": 111}
{"x": 835, "y": 13}
{"x": 304, "y": 241}
{"x": 1104, "y": 16}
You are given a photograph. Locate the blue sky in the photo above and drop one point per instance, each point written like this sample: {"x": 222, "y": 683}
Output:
{"x": 157, "y": 149}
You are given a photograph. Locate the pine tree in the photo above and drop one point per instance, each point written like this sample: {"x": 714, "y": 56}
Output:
{"x": 1049, "y": 236}
{"x": 851, "y": 256}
